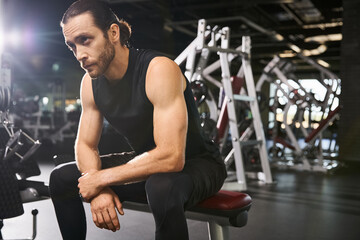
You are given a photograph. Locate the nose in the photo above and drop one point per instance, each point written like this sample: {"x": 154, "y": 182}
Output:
{"x": 81, "y": 55}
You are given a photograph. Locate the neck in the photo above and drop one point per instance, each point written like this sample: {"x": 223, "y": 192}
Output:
{"x": 118, "y": 65}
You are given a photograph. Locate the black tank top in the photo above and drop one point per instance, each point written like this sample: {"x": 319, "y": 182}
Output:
{"x": 126, "y": 107}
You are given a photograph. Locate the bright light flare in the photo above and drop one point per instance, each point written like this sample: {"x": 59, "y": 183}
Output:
{"x": 323, "y": 63}
{"x": 295, "y": 48}
{"x": 14, "y": 39}
{"x": 1, "y": 44}
{"x": 45, "y": 101}
{"x": 324, "y": 38}
{"x": 1, "y": 30}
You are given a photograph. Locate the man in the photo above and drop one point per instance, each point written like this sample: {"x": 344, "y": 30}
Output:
{"x": 146, "y": 98}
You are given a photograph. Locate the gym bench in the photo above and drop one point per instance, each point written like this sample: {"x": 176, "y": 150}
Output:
{"x": 224, "y": 209}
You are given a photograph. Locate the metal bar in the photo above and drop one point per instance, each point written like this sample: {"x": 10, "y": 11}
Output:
{"x": 201, "y": 33}
{"x": 183, "y": 55}
{"x": 234, "y": 51}
{"x": 202, "y": 62}
{"x": 283, "y": 78}
{"x": 292, "y": 14}
{"x": 259, "y": 129}
{"x": 30, "y": 151}
{"x": 243, "y": 98}
{"x": 240, "y": 173}
{"x": 34, "y": 213}
{"x": 198, "y": 41}
{"x": 13, "y": 151}
{"x": 216, "y": 65}
{"x": 190, "y": 61}
{"x": 250, "y": 142}
{"x": 212, "y": 80}
{"x": 217, "y": 232}
{"x": 227, "y": 159}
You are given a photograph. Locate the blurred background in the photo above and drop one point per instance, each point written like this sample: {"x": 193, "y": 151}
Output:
{"x": 43, "y": 68}
{"x": 305, "y": 51}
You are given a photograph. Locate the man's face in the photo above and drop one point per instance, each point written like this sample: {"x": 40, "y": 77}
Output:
{"x": 87, "y": 42}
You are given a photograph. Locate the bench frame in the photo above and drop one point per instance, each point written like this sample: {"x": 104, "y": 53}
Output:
{"x": 218, "y": 224}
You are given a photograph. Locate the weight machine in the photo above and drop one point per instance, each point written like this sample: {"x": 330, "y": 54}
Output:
{"x": 206, "y": 43}
{"x": 277, "y": 72}
{"x": 16, "y": 164}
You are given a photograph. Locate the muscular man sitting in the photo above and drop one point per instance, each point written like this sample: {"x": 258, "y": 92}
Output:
{"x": 146, "y": 98}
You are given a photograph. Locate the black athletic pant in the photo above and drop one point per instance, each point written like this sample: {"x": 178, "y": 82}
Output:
{"x": 166, "y": 194}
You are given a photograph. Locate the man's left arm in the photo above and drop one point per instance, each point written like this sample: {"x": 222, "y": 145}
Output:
{"x": 165, "y": 87}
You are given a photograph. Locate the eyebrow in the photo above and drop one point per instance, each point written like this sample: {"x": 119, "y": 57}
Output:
{"x": 77, "y": 38}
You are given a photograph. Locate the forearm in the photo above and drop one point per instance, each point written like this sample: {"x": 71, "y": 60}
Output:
{"x": 141, "y": 167}
{"x": 87, "y": 158}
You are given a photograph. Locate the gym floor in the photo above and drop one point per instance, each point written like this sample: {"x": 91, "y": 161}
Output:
{"x": 301, "y": 205}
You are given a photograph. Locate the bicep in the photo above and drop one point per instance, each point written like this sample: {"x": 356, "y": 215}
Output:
{"x": 170, "y": 125}
{"x": 165, "y": 89}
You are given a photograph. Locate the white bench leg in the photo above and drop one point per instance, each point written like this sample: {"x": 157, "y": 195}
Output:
{"x": 218, "y": 232}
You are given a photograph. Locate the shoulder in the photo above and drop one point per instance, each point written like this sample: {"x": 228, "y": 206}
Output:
{"x": 161, "y": 67}
{"x": 86, "y": 81}
{"x": 163, "y": 79}
{"x": 86, "y": 91}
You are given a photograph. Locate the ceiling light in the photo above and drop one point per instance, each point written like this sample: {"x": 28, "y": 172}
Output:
{"x": 323, "y": 25}
{"x": 287, "y": 55}
{"x": 324, "y": 38}
{"x": 295, "y": 48}
{"x": 323, "y": 63}
{"x": 321, "y": 49}
{"x": 279, "y": 37}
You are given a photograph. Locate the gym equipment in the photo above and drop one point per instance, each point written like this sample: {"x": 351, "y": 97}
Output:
{"x": 16, "y": 149}
{"x": 206, "y": 43}
{"x": 277, "y": 72}
{"x": 14, "y": 192}
{"x": 224, "y": 209}
{"x": 47, "y": 121}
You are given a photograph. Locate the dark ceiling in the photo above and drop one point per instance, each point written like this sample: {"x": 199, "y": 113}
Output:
{"x": 170, "y": 25}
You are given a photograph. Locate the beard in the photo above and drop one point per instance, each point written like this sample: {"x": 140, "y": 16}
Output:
{"x": 104, "y": 60}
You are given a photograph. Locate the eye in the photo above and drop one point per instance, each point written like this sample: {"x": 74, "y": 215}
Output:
{"x": 84, "y": 40}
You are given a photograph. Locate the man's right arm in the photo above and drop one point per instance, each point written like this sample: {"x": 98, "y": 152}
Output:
{"x": 89, "y": 131}
{"x": 87, "y": 158}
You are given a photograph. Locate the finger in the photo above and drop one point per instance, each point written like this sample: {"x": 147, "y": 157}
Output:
{"x": 82, "y": 175}
{"x": 94, "y": 217}
{"x": 83, "y": 199}
{"x": 100, "y": 220}
{"x": 114, "y": 218}
{"x": 118, "y": 205}
{"x": 107, "y": 219}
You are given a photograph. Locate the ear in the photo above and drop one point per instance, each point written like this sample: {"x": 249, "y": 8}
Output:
{"x": 114, "y": 33}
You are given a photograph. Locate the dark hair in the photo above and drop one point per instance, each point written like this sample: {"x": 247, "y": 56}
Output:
{"x": 103, "y": 17}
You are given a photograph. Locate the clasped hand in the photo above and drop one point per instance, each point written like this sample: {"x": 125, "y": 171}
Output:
{"x": 89, "y": 185}
{"x": 103, "y": 201}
